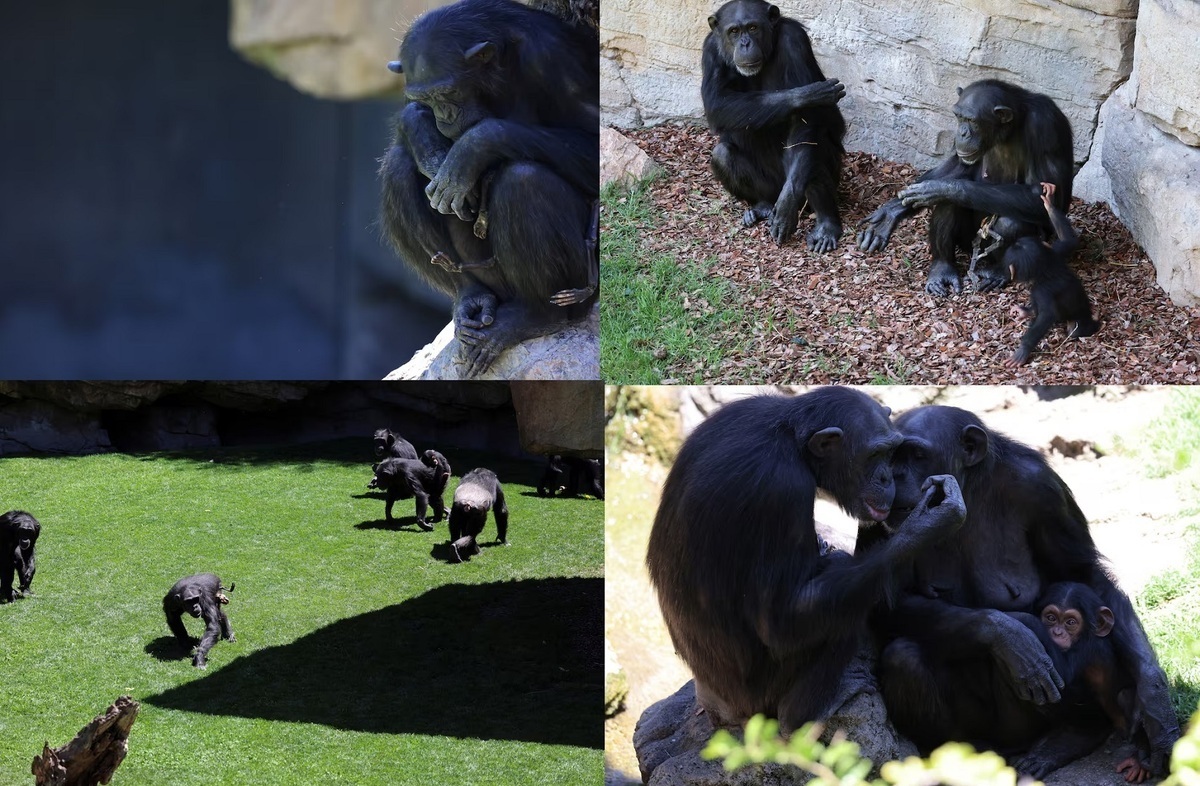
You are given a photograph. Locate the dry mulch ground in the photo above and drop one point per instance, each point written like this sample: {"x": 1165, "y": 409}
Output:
{"x": 849, "y": 316}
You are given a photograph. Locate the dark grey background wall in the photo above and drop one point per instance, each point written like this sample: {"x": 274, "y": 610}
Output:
{"x": 170, "y": 211}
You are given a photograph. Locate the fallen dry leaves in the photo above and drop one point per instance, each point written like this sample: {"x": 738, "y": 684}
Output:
{"x": 849, "y": 316}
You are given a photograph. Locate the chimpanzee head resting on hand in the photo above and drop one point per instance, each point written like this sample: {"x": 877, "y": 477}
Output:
{"x": 746, "y": 32}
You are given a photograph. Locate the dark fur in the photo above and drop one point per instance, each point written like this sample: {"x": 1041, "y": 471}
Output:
{"x": 582, "y": 476}
{"x": 477, "y": 492}
{"x": 389, "y": 444}
{"x": 19, "y": 532}
{"x": 424, "y": 479}
{"x": 200, "y": 596}
{"x": 512, "y": 163}
{"x": 779, "y": 146}
{"x": 764, "y": 620}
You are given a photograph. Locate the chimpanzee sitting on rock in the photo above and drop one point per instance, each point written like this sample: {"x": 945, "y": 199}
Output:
{"x": 478, "y": 492}
{"x": 424, "y": 478}
{"x": 201, "y": 596}
{"x": 18, "y": 536}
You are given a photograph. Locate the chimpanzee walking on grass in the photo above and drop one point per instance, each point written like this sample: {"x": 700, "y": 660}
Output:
{"x": 201, "y": 596}
{"x": 478, "y": 492}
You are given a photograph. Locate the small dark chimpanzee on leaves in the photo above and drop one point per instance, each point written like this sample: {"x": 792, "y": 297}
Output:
{"x": 423, "y": 479}
{"x": 1056, "y": 293}
{"x": 478, "y": 492}
{"x": 949, "y": 632}
{"x": 389, "y": 444}
{"x": 776, "y": 117}
{"x": 1008, "y": 139}
{"x": 572, "y": 476}
{"x": 490, "y": 185}
{"x": 19, "y": 532}
{"x": 201, "y": 596}
{"x": 764, "y": 620}
{"x": 1074, "y": 625}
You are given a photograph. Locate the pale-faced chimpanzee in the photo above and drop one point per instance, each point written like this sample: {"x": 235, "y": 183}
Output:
{"x": 18, "y": 538}
{"x": 777, "y": 120}
{"x": 478, "y": 492}
{"x": 1074, "y": 625}
{"x": 1024, "y": 531}
{"x": 583, "y": 476}
{"x": 1056, "y": 293}
{"x": 1008, "y": 139}
{"x": 490, "y": 185}
{"x": 766, "y": 622}
{"x": 424, "y": 479}
{"x": 201, "y": 596}
{"x": 389, "y": 444}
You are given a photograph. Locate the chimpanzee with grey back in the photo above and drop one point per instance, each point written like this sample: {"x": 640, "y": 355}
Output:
{"x": 478, "y": 492}
{"x": 18, "y": 536}
{"x": 201, "y": 596}
{"x": 423, "y": 479}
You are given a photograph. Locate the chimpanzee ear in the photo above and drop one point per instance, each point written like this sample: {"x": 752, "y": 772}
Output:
{"x": 396, "y": 67}
{"x": 959, "y": 89}
{"x": 974, "y": 445}
{"x": 480, "y": 53}
{"x": 712, "y": 22}
{"x": 391, "y": 440}
{"x": 825, "y": 442}
{"x": 773, "y": 13}
{"x": 1104, "y": 621}
{"x": 1003, "y": 113}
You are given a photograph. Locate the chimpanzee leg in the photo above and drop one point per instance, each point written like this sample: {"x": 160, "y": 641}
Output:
{"x": 7, "y": 567}
{"x": 226, "y": 628}
{"x": 439, "y": 507}
{"x": 26, "y": 567}
{"x": 950, "y": 228}
{"x": 212, "y": 631}
{"x": 500, "y": 511}
{"x": 912, "y": 694}
{"x": 751, "y": 176}
{"x": 422, "y": 507}
{"x": 464, "y": 545}
{"x": 175, "y": 623}
{"x": 392, "y": 496}
{"x": 1037, "y": 330}
{"x": 822, "y": 197}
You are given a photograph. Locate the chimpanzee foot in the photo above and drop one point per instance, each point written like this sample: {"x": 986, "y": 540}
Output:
{"x": 479, "y": 348}
{"x": 987, "y": 279}
{"x": 424, "y": 525}
{"x": 454, "y": 551}
{"x": 569, "y": 297}
{"x": 757, "y": 213}
{"x": 943, "y": 280}
{"x": 824, "y": 237}
{"x": 443, "y": 260}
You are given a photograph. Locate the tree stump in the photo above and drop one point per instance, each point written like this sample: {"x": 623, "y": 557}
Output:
{"x": 94, "y": 755}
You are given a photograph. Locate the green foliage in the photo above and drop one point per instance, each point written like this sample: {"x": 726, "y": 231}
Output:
{"x": 1185, "y": 758}
{"x": 1170, "y": 443}
{"x": 362, "y": 655}
{"x": 643, "y": 419}
{"x": 656, "y": 309}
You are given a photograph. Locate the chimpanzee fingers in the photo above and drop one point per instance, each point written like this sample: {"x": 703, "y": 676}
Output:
{"x": 783, "y": 226}
{"x": 822, "y": 239}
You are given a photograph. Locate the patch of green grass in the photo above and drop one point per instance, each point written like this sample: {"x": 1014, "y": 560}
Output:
{"x": 362, "y": 655}
{"x": 645, "y": 327}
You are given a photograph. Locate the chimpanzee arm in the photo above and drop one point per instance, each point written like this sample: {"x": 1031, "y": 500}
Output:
{"x": 737, "y": 110}
{"x": 1067, "y": 239}
{"x": 1059, "y": 747}
{"x": 26, "y": 560}
{"x": 847, "y": 588}
{"x": 417, "y": 130}
{"x": 876, "y": 229}
{"x": 175, "y": 623}
{"x": 500, "y": 511}
{"x": 210, "y": 612}
{"x": 226, "y": 628}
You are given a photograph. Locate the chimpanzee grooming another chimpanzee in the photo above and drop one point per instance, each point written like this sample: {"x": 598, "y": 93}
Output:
{"x": 1097, "y": 695}
{"x": 1023, "y": 532}
{"x": 1008, "y": 140}
{"x": 583, "y": 476}
{"x": 777, "y": 120}
{"x": 18, "y": 538}
{"x": 389, "y": 444}
{"x": 1056, "y": 293}
{"x": 477, "y": 492}
{"x": 491, "y": 183}
{"x": 765, "y": 621}
{"x": 424, "y": 479}
{"x": 200, "y": 596}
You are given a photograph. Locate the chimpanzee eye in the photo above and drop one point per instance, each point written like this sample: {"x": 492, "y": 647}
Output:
{"x": 1071, "y": 623}
{"x": 752, "y": 29}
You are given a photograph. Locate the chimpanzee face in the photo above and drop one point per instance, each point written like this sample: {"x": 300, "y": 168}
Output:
{"x": 449, "y": 80}
{"x": 937, "y": 441}
{"x": 383, "y": 441}
{"x": 856, "y": 459}
{"x": 1064, "y": 626}
{"x": 745, "y": 31}
{"x": 982, "y": 121}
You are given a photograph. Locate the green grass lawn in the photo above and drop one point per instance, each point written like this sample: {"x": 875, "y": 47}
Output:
{"x": 362, "y": 655}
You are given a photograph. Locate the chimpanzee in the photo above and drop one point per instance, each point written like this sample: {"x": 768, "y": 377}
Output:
{"x": 777, "y": 120}
{"x": 1008, "y": 139}
{"x": 1023, "y": 532}
{"x": 389, "y": 444}
{"x": 18, "y": 537}
{"x": 583, "y": 476}
{"x": 1056, "y": 293}
{"x": 1097, "y": 696}
{"x": 490, "y": 185}
{"x": 424, "y": 478}
{"x": 477, "y": 492}
{"x": 765, "y": 622}
{"x": 201, "y": 596}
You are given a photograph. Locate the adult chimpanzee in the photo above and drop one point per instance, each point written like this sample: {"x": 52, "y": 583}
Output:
{"x": 477, "y": 492}
{"x": 583, "y": 476}
{"x": 18, "y": 537}
{"x": 1008, "y": 140}
{"x": 389, "y": 444}
{"x": 1056, "y": 294}
{"x": 777, "y": 120}
{"x": 764, "y": 620}
{"x": 1023, "y": 531}
{"x": 424, "y": 479}
{"x": 489, "y": 187}
{"x": 201, "y": 596}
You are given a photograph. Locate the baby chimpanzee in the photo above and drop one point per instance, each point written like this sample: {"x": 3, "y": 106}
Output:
{"x": 1056, "y": 293}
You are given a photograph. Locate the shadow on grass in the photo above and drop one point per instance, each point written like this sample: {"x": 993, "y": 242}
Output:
{"x": 166, "y": 648}
{"x": 533, "y": 493}
{"x": 397, "y": 524}
{"x": 519, "y": 660}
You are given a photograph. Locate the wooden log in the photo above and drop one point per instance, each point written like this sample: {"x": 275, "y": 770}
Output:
{"x": 94, "y": 755}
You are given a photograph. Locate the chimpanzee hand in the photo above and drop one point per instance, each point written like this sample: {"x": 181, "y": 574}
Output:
{"x": 989, "y": 277}
{"x": 876, "y": 229}
{"x": 940, "y": 511}
{"x": 928, "y": 193}
{"x": 943, "y": 279}
{"x": 826, "y": 93}
{"x": 474, "y": 311}
{"x": 785, "y": 216}
{"x": 1023, "y": 660}
{"x": 1153, "y": 714}
{"x": 455, "y": 187}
